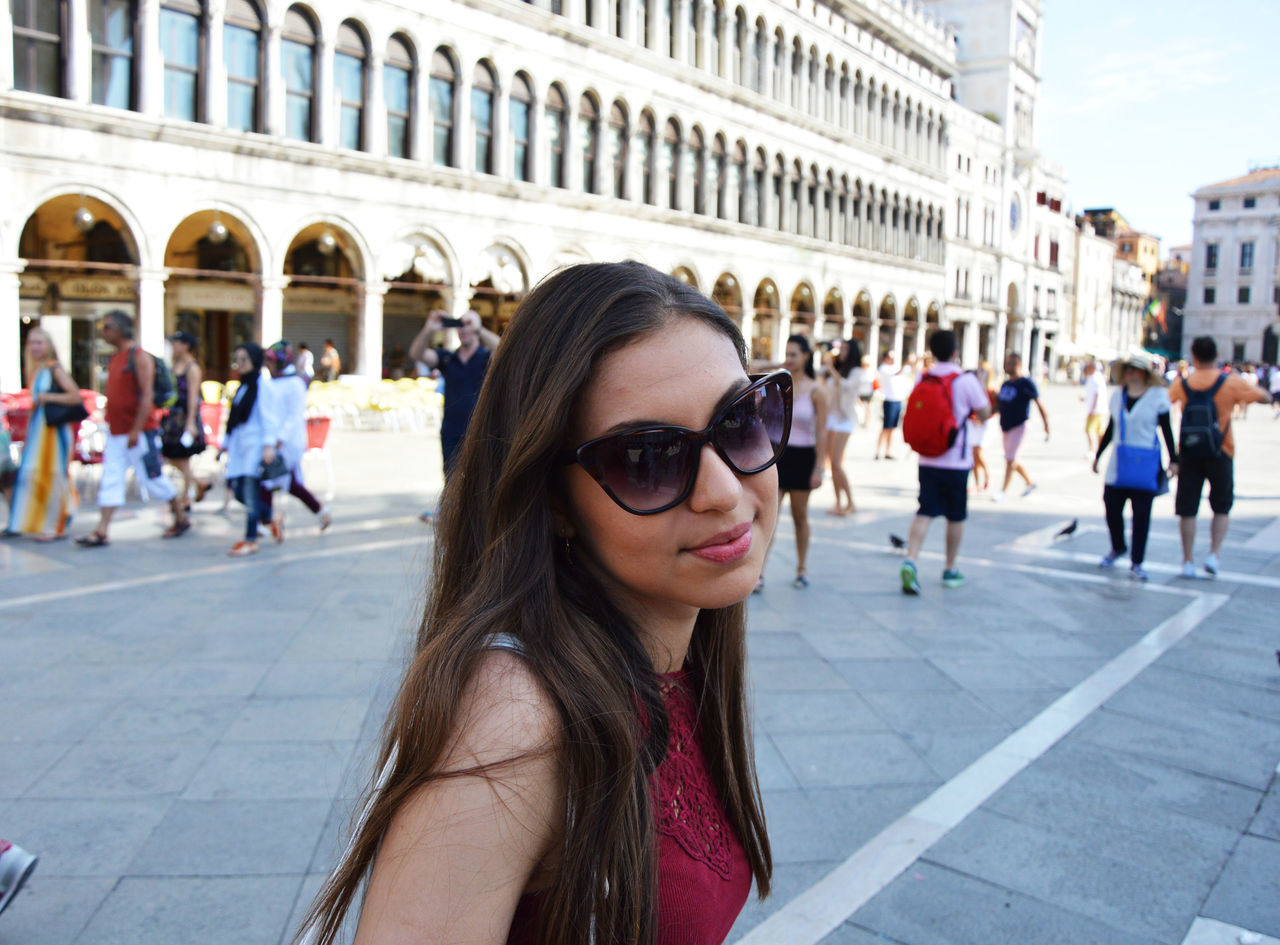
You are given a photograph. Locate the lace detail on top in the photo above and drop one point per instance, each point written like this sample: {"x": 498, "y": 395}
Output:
{"x": 688, "y": 810}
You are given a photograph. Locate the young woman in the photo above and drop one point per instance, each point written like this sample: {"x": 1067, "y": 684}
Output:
{"x": 181, "y": 431}
{"x": 569, "y": 758}
{"x": 1139, "y": 409}
{"x": 843, "y": 376}
{"x": 253, "y": 429}
{"x": 978, "y": 432}
{"x": 291, "y": 407}
{"x": 43, "y": 501}
{"x": 804, "y": 457}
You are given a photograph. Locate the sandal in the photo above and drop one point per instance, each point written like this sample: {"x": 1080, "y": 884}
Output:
{"x": 92, "y": 540}
{"x": 800, "y": 583}
{"x": 177, "y": 528}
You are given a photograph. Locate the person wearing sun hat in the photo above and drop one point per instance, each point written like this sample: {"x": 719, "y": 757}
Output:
{"x": 1135, "y": 473}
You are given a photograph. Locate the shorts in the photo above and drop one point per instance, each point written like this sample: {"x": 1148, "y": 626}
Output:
{"x": 892, "y": 414}
{"x": 944, "y": 492}
{"x": 1219, "y": 472}
{"x": 795, "y": 468}
{"x": 1013, "y": 441}
{"x": 1096, "y": 424}
{"x": 118, "y": 459}
{"x": 839, "y": 426}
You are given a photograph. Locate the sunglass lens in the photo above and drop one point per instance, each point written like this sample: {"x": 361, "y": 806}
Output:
{"x": 645, "y": 470}
{"x": 750, "y": 433}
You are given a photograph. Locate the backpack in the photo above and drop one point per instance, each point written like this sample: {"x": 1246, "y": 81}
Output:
{"x": 929, "y": 420}
{"x": 164, "y": 393}
{"x": 1200, "y": 437}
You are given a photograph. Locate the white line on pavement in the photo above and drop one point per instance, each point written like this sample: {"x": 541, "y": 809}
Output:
{"x": 1155, "y": 567}
{"x": 1266, "y": 540}
{"x": 815, "y": 913}
{"x": 1212, "y": 932}
{"x": 11, "y": 603}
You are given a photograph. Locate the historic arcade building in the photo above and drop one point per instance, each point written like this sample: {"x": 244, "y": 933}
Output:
{"x": 252, "y": 169}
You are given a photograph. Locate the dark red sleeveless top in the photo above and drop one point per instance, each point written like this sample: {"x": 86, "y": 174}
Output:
{"x": 703, "y": 874}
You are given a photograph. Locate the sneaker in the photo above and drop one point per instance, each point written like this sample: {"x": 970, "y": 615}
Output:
{"x": 997, "y": 496}
{"x": 326, "y": 518}
{"x": 1188, "y": 570}
{"x": 243, "y": 549}
{"x": 1030, "y": 489}
{"x": 1211, "y": 564}
{"x": 1138, "y": 573}
{"x": 952, "y": 578}
{"x": 1109, "y": 559}
{"x": 910, "y": 579}
{"x": 16, "y": 865}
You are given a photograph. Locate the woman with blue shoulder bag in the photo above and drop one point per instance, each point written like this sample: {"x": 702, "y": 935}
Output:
{"x": 1135, "y": 473}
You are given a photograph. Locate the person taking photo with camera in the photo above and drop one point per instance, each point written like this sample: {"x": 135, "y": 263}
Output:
{"x": 463, "y": 370}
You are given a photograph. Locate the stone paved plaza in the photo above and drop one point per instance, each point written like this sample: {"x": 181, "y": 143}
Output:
{"x": 1051, "y": 755}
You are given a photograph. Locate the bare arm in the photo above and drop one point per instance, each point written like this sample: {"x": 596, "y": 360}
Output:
{"x": 419, "y": 349}
{"x": 145, "y": 374}
{"x": 463, "y": 849}
{"x": 194, "y": 377}
{"x": 1043, "y": 416}
{"x": 67, "y": 391}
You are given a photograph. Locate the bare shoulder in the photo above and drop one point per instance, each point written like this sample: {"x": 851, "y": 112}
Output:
{"x": 505, "y": 712}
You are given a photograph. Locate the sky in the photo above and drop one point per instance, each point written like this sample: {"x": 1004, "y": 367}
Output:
{"x": 1145, "y": 101}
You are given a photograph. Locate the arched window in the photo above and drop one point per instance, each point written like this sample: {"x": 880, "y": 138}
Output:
{"x": 671, "y": 163}
{"x": 693, "y": 48}
{"x": 673, "y": 26}
{"x": 718, "y": 166}
{"x": 242, "y": 50}
{"x": 618, "y": 149}
{"x": 588, "y": 135}
{"x": 298, "y": 53}
{"x": 813, "y": 81}
{"x": 813, "y": 205}
{"x": 780, "y": 193}
{"x": 741, "y": 64}
{"x": 796, "y": 218}
{"x": 556, "y": 134}
{"x": 842, "y": 113}
{"x": 740, "y": 186}
{"x": 759, "y": 189}
{"x": 482, "y": 95}
{"x": 111, "y": 26}
{"x": 641, "y": 35}
{"x": 694, "y": 171}
{"x": 717, "y": 28}
{"x": 645, "y": 157}
{"x": 444, "y": 80}
{"x": 520, "y": 109}
{"x": 829, "y": 92}
{"x": 760, "y": 57}
{"x": 397, "y": 92}
{"x": 180, "y": 47}
{"x": 37, "y": 46}
{"x": 779, "y": 65}
{"x": 349, "y": 81}
{"x": 797, "y": 72}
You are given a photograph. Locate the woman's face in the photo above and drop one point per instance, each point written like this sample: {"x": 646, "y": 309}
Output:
{"x": 695, "y": 555}
{"x": 1135, "y": 377}
{"x": 795, "y": 358}
{"x": 180, "y": 349}
{"x": 240, "y": 362}
{"x": 37, "y": 345}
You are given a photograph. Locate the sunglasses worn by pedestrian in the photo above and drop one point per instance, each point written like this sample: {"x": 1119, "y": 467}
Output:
{"x": 649, "y": 469}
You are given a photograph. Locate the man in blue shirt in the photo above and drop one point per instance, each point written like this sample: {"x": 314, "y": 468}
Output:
{"x": 1014, "y": 401}
{"x": 462, "y": 370}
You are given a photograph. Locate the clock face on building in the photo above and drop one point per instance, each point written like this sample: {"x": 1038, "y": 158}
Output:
{"x": 1015, "y": 214}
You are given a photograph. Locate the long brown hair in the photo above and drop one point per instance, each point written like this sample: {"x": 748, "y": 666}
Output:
{"x": 499, "y": 568}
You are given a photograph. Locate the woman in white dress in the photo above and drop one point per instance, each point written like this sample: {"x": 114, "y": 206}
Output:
{"x": 843, "y": 375}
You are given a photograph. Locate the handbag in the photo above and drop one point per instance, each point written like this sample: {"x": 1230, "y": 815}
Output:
{"x": 56, "y": 415}
{"x": 1137, "y": 467}
{"x": 273, "y": 470}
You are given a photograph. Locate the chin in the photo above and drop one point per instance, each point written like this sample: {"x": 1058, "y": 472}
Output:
{"x": 730, "y": 588}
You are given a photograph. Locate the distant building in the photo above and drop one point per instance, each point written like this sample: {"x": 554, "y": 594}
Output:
{"x": 1091, "y": 323}
{"x": 1133, "y": 246}
{"x": 1233, "y": 286}
{"x": 1164, "y": 332}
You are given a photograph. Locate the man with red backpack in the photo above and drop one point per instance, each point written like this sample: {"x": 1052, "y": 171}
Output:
{"x": 934, "y": 425}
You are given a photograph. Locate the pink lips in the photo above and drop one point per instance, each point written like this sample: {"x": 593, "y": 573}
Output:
{"x": 727, "y": 547}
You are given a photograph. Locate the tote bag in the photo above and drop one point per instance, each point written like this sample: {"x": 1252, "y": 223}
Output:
{"x": 1137, "y": 467}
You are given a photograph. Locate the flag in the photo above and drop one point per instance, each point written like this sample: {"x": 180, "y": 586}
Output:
{"x": 1155, "y": 310}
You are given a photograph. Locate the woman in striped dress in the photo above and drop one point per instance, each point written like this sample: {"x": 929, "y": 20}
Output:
{"x": 43, "y": 500}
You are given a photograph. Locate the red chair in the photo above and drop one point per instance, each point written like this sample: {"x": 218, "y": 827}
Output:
{"x": 16, "y": 414}
{"x": 317, "y": 437}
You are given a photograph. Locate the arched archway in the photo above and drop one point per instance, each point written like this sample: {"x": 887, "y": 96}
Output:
{"x": 419, "y": 279}
{"x": 832, "y": 327}
{"x": 910, "y": 328}
{"x": 687, "y": 276}
{"x": 861, "y": 312}
{"x": 802, "y": 310}
{"x": 727, "y": 293}
{"x": 79, "y": 253}
{"x": 888, "y": 316}
{"x": 765, "y": 324}
{"x": 214, "y": 266}
{"x": 322, "y": 301}
{"x": 499, "y": 281}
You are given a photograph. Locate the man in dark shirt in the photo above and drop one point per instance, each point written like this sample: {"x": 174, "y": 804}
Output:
{"x": 463, "y": 370}
{"x": 1014, "y": 401}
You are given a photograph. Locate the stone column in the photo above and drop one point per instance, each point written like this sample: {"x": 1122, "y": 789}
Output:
{"x": 680, "y": 26}
{"x": 214, "y": 79}
{"x": 748, "y": 322}
{"x": 420, "y": 119}
{"x": 572, "y": 146}
{"x": 271, "y": 308}
{"x": 150, "y": 60}
{"x": 706, "y": 17}
{"x": 539, "y": 148}
{"x": 873, "y": 342}
{"x": 627, "y": 27}
{"x": 326, "y": 96}
{"x": 464, "y": 139}
{"x": 374, "y": 116}
{"x": 10, "y": 324}
{"x": 6, "y": 48}
{"x": 150, "y": 326}
{"x": 502, "y": 145}
{"x": 273, "y": 92}
{"x": 369, "y": 330}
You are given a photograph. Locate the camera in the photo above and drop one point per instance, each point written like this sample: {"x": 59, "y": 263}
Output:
{"x": 448, "y": 322}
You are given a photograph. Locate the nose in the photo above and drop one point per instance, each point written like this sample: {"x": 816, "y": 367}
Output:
{"x": 717, "y": 487}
